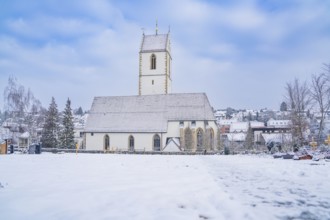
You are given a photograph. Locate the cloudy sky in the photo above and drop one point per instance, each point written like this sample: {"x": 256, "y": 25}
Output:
{"x": 241, "y": 53}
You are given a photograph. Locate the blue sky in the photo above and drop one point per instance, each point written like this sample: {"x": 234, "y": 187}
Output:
{"x": 241, "y": 53}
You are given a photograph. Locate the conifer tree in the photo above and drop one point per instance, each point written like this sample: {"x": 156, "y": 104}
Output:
{"x": 79, "y": 111}
{"x": 283, "y": 107}
{"x": 51, "y": 127}
{"x": 248, "y": 144}
{"x": 220, "y": 141}
{"x": 67, "y": 131}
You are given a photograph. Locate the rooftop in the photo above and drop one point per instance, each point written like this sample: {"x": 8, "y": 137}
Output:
{"x": 154, "y": 43}
{"x": 148, "y": 113}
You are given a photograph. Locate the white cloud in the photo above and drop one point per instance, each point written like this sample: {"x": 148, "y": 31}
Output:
{"x": 241, "y": 54}
{"x": 47, "y": 27}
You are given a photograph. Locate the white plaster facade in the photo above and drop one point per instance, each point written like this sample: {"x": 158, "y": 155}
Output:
{"x": 143, "y": 141}
{"x": 120, "y": 141}
{"x": 143, "y": 117}
{"x": 278, "y": 123}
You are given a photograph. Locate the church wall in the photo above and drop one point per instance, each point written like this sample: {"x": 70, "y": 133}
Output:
{"x": 148, "y": 88}
{"x": 173, "y": 130}
{"x": 120, "y": 141}
{"x": 94, "y": 142}
{"x": 144, "y": 141}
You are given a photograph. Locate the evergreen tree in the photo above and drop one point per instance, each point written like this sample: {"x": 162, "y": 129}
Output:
{"x": 283, "y": 107}
{"x": 248, "y": 144}
{"x": 79, "y": 111}
{"x": 67, "y": 132}
{"x": 220, "y": 141}
{"x": 50, "y": 130}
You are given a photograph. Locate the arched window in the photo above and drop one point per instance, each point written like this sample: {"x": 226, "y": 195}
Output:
{"x": 200, "y": 139}
{"x": 153, "y": 62}
{"x": 131, "y": 143}
{"x": 188, "y": 139}
{"x": 106, "y": 142}
{"x": 156, "y": 143}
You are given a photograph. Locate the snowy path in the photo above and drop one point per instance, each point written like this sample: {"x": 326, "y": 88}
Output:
{"x": 276, "y": 189}
{"x": 98, "y": 186}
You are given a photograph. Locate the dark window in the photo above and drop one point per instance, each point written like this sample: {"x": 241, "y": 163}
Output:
{"x": 181, "y": 124}
{"x": 152, "y": 82}
{"x": 92, "y": 134}
{"x": 193, "y": 123}
{"x": 106, "y": 142}
{"x": 156, "y": 143}
{"x": 199, "y": 139}
{"x": 131, "y": 143}
{"x": 153, "y": 62}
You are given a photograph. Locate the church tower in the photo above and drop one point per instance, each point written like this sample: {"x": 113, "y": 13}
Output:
{"x": 155, "y": 64}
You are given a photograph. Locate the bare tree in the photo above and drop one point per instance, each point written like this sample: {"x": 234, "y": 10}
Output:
{"x": 298, "y": 98}
{"x": 18, "y": 100}
{"x": 326, "y": 69}
{"x": 22, "y": 107}
{"x": 320, "y": 95}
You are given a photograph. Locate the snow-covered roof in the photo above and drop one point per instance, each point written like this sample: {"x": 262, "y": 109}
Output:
{"x": 278, "y": 123}
{"x": 147, "y": 113}
{"x": 257, "y": 124}
{"x": 154, "y": 43}
{"x": 276, "y": 137}
{"x": 25, "y": 135}
{"x": 239, "y": 127}
{"x": 227, "y": 121}
{"x": 236, "y": 136}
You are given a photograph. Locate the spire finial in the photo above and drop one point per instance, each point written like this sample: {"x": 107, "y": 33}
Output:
{"x": 156, "y": 26}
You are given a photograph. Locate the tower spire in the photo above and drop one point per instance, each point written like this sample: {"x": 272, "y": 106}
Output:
{"x": 156, "y": 26}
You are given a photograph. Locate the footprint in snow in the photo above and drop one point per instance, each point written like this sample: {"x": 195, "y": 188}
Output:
{"x": 203, "y": 217}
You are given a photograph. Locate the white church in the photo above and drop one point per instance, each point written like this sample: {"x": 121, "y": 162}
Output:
{"x": 155, "y": 119}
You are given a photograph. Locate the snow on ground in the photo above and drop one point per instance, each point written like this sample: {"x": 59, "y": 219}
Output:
{"x": 107, "y": 186}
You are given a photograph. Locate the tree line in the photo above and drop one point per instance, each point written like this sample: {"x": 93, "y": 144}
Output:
{"x": 24, "y": 112}
{"x": 302, "y": 96}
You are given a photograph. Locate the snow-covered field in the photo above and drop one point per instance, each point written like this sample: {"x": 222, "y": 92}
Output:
{"x": 107, "y": 186}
